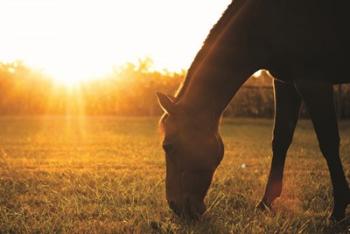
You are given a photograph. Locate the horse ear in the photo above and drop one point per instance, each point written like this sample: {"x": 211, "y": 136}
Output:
{"x": 167, "y": 103}
{"x": 173, "y": 99}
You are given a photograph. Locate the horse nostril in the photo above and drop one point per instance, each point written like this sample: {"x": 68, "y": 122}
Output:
{"x": 194, "y": 209}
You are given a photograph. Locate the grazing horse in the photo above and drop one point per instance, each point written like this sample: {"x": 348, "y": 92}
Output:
{"x": 305, "y": 46}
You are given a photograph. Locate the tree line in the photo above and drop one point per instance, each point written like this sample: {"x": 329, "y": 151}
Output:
{"x": 128, "y": 90}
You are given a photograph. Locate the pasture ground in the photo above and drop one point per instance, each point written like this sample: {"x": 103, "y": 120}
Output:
{"x": 106, "y": 175}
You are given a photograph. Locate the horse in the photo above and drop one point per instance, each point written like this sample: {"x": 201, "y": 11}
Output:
{"x": 305, "y": 46}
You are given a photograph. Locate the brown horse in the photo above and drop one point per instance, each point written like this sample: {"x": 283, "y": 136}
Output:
{"x": 305, "y": 45}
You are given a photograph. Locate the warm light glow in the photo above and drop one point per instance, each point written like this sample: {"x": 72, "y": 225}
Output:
{"x": 78, "y": 40}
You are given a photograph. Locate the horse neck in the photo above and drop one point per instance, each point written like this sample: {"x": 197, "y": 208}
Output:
{"x": 228, "y": 15}
{"x": 232, "y": 59}
{"x": 209, "y": 93}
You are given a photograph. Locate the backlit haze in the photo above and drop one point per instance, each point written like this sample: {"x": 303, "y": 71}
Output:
{"x": 79, "y": 40}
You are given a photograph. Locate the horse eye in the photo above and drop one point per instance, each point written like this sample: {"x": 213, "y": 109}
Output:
{"x": 168, "y": 147}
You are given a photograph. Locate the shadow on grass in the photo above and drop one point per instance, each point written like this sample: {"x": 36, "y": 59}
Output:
{"x": 175, "y": 224}
{"x": 340, "y": 227}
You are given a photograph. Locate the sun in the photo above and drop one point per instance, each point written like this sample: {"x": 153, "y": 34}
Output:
{"x": 70, "y": 78}
{"x": 76, "y": 41}
{"x": 73, "y": 73}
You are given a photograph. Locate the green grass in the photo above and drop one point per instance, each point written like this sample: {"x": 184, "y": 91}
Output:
{"x": 106, "y": 175}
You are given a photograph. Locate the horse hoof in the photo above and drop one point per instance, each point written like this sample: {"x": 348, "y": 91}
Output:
{"x": 335, "y": 218}
{"x": 338, "y": 213}
{"x": 263, "y": 206}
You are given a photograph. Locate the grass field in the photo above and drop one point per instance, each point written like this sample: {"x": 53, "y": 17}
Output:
{"x": 106, "y": 175}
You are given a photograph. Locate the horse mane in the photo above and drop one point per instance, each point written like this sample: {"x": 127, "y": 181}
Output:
{"x": 216, "y": 30}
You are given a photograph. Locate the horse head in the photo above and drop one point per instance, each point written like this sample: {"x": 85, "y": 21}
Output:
{"x": 192, "y": 154}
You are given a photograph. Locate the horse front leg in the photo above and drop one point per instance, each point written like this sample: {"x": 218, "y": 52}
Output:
{"x": 287, "y": 106}
{"x": 319, "y": 101}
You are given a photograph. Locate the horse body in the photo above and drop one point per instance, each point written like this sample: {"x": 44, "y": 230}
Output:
{"x": 310, "y": 40}
{"x": 303, "y": 55}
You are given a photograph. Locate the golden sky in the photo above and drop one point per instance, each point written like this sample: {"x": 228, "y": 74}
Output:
{"x": 77, "y": 39}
